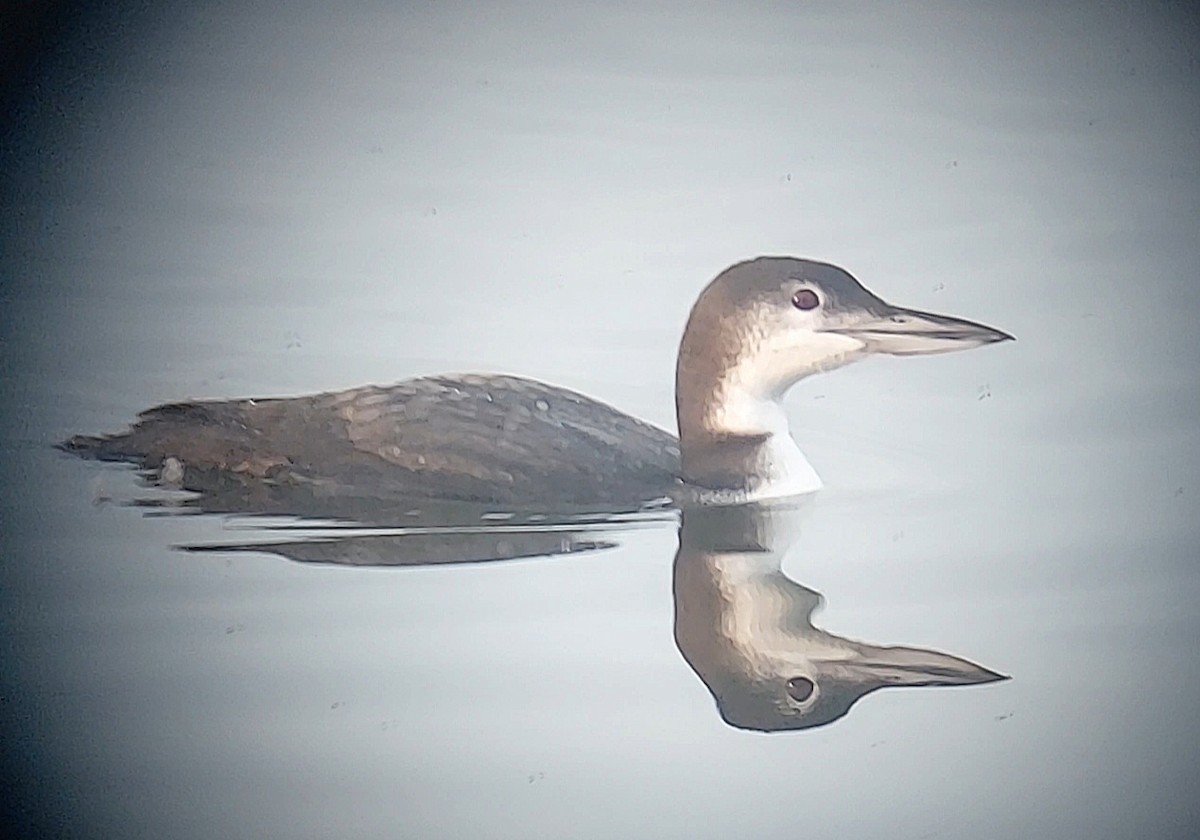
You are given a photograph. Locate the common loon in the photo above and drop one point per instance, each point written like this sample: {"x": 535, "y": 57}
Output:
{"x": 757, "y": 329}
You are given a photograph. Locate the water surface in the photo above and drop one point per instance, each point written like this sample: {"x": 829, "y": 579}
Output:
{"x": 206, "y": 200}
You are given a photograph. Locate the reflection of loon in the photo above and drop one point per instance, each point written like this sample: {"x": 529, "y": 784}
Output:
{"x": 742, "y": 625}
{"x": 756, "y": 329}
{"x": 746, "y": 629}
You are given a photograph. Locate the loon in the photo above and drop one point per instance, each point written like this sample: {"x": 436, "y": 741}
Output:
{"x": 758, "y": 328}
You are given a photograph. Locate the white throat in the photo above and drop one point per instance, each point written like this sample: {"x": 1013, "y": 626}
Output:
{"x": 776, "y": 468}
{"x": 782, "y": 468}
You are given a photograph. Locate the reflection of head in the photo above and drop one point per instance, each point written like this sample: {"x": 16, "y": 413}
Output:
{"x": 746, "y": 630}
{"x": 803, "y": 689}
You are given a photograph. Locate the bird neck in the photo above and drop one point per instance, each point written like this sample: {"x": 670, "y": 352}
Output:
{"x": 734, "y": 438}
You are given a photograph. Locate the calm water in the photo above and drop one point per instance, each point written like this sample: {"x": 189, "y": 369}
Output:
{"x": 207, "y": 201}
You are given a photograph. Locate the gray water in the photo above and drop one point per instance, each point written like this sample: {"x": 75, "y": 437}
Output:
{"x": 208, "y": 200}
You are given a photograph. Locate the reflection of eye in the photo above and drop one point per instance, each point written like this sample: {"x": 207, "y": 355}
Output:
{"x": 806, "y": 299}
{"x": 800, "y": 688}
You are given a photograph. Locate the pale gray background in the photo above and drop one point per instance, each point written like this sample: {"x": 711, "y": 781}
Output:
{"x": 221, "y": 199}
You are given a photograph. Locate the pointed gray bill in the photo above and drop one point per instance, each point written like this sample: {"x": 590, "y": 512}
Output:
{"x": 910, "y": 332}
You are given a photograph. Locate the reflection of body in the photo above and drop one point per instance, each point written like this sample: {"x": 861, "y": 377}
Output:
{"x": 743, "y": 626}
{"x": 746, "y": 629}
{"x": 756, "y": 329}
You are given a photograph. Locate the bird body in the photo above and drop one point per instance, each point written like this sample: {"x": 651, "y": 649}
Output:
{"x": 499, "y": 439}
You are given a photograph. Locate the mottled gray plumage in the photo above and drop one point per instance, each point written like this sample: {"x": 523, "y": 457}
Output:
{"x": 501, "y": 439}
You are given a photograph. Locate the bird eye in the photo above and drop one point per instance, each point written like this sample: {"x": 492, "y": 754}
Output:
{"x": 800, "y": 688}
{"x": 806, "y": 299}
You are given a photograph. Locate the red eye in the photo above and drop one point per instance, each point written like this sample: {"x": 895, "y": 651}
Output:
{"x": 806, "y": 299}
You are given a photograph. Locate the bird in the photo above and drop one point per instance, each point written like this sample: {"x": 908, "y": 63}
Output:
{"x": 755, "y": 330}
{"x": 746, "y": 629}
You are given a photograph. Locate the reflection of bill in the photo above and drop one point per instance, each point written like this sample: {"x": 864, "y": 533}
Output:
{"x": 746, "y": 629}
